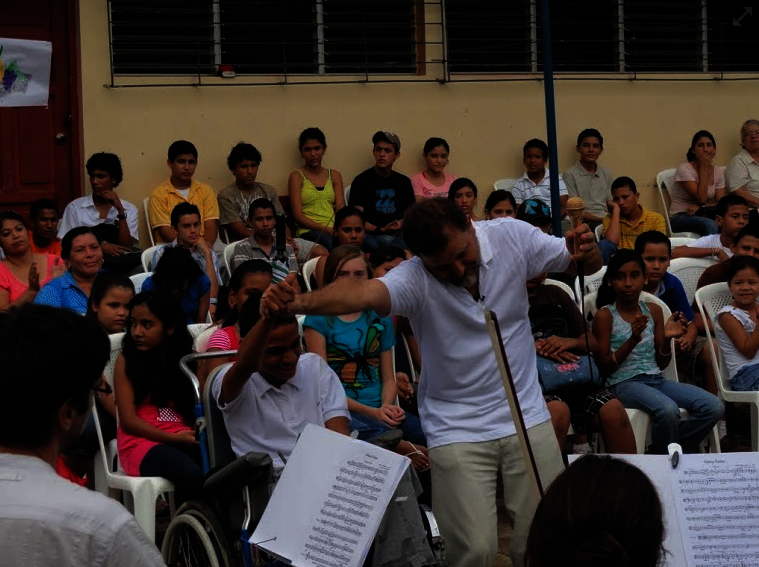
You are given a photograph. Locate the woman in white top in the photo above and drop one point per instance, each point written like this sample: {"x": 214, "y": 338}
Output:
{"x": 698, "y": 185}
{"x": 433, "y": 181}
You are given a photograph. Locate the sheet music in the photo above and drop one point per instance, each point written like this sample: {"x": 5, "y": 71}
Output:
{"x": 717, "y": 497}
{"x": 327, "y": 505}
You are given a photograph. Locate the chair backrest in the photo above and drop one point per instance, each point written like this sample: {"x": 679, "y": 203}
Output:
{"x": 563, "y": 286}
{"x": 592, "y": 283}
{"x": 227, "y": 255}
{"x": 308, "y": 270}
{"x": 201, "y": 339}
{"x": 196, "y": 329}
{"x": 137, "y": 280}
{"x": 147, "y": 257}
{"x": 505, "y": 184}
{"x": 710, "y": 299}
{"x": 599, "y": 230}
{"x": 146, "y": 208}
{"x": 689, "y": 270}
{"x": 115, "y": 352}
{"x": 220, "y": 451}
{"x": 347, "y": 192}
{"x": 664, "y": 180}
{"x": 676, "y": 241}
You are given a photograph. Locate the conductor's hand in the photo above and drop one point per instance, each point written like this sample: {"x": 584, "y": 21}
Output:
{"x": 582, "y": 241}
{"x": 278, "y": 299}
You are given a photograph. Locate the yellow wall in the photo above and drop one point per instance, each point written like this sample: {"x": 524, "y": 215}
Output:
{"x": 647, "y": 125}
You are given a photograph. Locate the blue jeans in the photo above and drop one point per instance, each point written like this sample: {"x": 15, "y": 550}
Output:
{"x": 374, "y": 241}
{"x": 607, "y": 250}
{"x": 319, "y": 237}
{"x": 746, "y": 379}
{"x": 662, "y": 399}
{"x": 369, "y": 428}
{"x": 701, "y": 225}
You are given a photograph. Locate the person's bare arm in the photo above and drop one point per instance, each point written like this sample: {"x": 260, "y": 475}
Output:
{"x": 694, "y": 252}
{"x": 337, "y": 185}
{"x": 166, "y": 233}
{"x": 211, "y": 227}
{"x": 608, "y": 360}
{"x": 237, "y": 230}
{"x": 751, "y": 198}
{"x": 294, "y": 188}
{"x": 613, "y": 232}
{"x": 698, "y": 190}
{"x": 563, "y": 200}
{"x": 746, "y": 343}
{"x": 203, "y": 305}
{"x": 210, "y": 268}
{"x": 339, "y": 424}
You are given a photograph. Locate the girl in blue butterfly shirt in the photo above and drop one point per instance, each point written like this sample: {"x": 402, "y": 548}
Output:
{"x": 358, "y": 347}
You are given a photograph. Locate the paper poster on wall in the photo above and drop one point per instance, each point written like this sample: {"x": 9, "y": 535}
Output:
{"x": 25, "y": 72}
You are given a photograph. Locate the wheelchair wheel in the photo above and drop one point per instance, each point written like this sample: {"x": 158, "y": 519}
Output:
{"x": 196, "y": 539}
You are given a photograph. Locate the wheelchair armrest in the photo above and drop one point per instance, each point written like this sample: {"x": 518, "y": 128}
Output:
{"x": 246, "y": 470}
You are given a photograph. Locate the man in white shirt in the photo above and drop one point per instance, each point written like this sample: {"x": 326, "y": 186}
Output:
{"x": 460, "y": 270}
{"x": 742, "y": 173}
{"x": 51, "y": 361}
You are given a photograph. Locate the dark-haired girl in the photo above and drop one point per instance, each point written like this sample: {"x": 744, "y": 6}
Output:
{"x": 433, "y": 181}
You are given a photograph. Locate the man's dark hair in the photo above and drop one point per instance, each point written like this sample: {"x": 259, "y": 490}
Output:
{"x": 261, "y": 203}
{"x": 729, "y": 200}
{"x": 181, "y": 147}
{"x": 68, "y": 239}
{"x": 590, "y": 133}
{"x": 426, "y": 225}
{"x": 536, "y": 144}
{"x": 110, "y": 163}
{"x": 652, "y": 237}
{"x": 48, "y": 356}
{"x": 42, "y": 205}
{"x": 622, "y": 182}
{"x": 182, "y": 209}
{"x": 241, "y": 152}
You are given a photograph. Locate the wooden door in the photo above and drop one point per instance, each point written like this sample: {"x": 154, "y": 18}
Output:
{"x": 38, "y": 145}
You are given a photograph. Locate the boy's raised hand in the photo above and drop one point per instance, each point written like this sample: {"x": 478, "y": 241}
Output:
{"x": 278, "y": 298}
{"x": 675, "y": 325}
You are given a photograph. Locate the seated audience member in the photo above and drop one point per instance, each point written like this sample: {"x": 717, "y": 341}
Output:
{"x": 599, "y": 512}
{"x": 155, "y": 400}
{"x": 270, "y": 374}
{"x": 536, "y": 182}
{"x": 358, "y": 347}
{"x": 235, "y": 199}
{"x": 560, "y": 331}
{"x": 181, "y": 187}
{"x": 349, "y": 231}
{"x": 185, "y": 220}
{"x": 433, "y": 181}
{"x": 742, "y": 173}
{"x": 732, "y": 214}
{"x": 737, "y": 322}
{"x": 463, "y": 192}
{"x": 587, "y": 180}
{"x": 113, "y": 220}
{"x": 627, "y": 218}
{"x": 179, "y": 276}
{"x": 536, "y": 213}
{"x": 22, "y": 272}
{"x": 690, "y": 354}
{"x": 316, "y": 193}
{"x": 698, "y": 185}
{"x": 383, "y": 195}
{"x": 633, "y": 348}
{"x": 261, "y": 244}
{"x": 745, "y": 243}
{"x": 304, "y": 249}
{"x": 43, "y": 236}
{"x": 248, "y": 277}
{"x": 81, "y": 251}
{"x": 46, "y": 520}
{"x": 500, "y": 203}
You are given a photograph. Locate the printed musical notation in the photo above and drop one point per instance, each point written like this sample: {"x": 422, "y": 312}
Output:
{"x": 717, "y": 499}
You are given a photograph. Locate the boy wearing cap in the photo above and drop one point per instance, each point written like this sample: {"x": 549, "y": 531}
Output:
{"x": 383, "y": 194}
{"x": 536, "y": 213}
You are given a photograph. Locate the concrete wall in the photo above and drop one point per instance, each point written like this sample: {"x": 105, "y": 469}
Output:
{"x": 647, "y": 125}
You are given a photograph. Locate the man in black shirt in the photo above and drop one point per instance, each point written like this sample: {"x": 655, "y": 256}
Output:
{"x": 383, "y": 194}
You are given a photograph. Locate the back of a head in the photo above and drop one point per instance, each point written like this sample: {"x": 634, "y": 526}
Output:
{"x": 180, "y": 148}
{"x": 652, "y": 237}
{"x": 600, "y": 512}
{"x": 427, "y": 225}
{"x": 47, "y": 357}
{"x": 176, "y": 263}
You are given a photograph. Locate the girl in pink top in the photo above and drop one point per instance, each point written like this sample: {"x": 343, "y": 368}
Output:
{"x": 154, "y": 400}
{"x": 22, "y": 272}
{"x": 698, "y": 185}
{"x": 433, "y": 181}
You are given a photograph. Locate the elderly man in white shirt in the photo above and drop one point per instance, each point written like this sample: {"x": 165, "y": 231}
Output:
{"x": 460, "y": 270}
{"x": 742, "y": 173}
{"x": 46, "y": 521}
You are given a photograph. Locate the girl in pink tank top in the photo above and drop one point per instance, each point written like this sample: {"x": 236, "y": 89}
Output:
{"x": 155, "y": 401}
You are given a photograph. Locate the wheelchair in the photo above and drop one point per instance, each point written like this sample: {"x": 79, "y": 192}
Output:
{"x": 214, "y": 530}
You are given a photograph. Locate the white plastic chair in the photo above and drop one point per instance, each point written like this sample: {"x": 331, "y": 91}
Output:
{"x": 144, "y": 490}
{"x": 599, "y": 230}
{"x": 563, "y": 286}
{"x": 504, "y": 184}
{"x": 347, "y": 192}
{"x": 146, "y": 208}
{"x": 228, "y": 255}
{"x": 689, "y": 270}
{"x": 664, "y": 180}
{"x": 592, "y": 283}
{"x": 676, "y": 241}
{"x": 137, "y": 280}
{"x": 710, "y": 299}
{"x": 147, "y": 257}
{"x": 308, "y": 270}
{"x": 101, "y": 483}
{"x": 197, "y": 329}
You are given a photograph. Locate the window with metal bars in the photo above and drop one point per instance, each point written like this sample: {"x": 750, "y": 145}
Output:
{"x": 602, "y": 36}
{"x": 264, "y": 37}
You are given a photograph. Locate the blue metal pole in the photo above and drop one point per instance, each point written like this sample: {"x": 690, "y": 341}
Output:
{"x": 550, "y": 99}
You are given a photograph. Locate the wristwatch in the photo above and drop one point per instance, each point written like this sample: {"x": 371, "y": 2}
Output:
{"x": 122, "y": 216}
